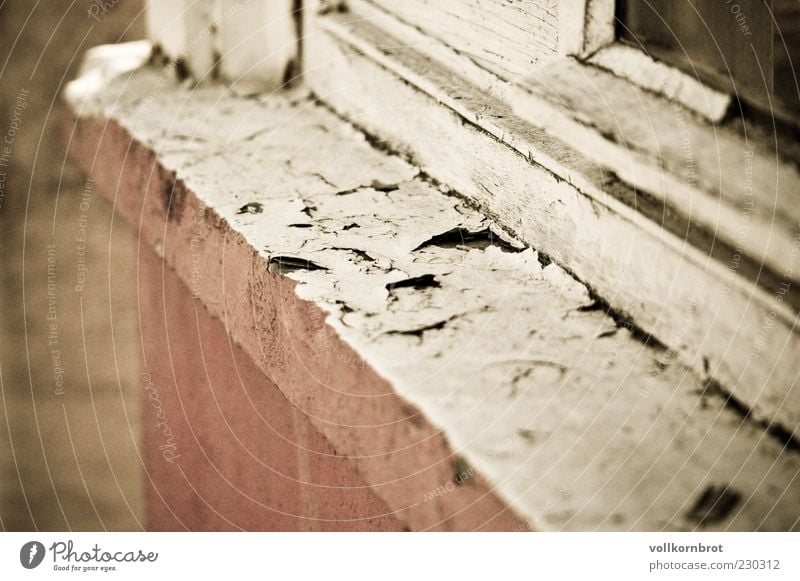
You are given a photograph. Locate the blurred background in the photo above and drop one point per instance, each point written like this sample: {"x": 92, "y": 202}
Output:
{"x": 69, "y": 412}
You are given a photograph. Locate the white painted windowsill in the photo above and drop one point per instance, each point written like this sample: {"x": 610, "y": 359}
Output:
{"x": 552, "y": 405}
{"x": 682, "y": 225}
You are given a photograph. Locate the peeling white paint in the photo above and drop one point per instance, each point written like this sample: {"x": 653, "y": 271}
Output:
{"x": 573, "y": 421}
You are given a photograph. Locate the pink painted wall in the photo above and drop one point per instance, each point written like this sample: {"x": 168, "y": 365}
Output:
{"x": 224, "y": 449}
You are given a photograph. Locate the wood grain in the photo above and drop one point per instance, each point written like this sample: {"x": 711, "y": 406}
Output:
{"x": 672, "y": 283}
{"x": 423, "y": 344}
{"x": 507, "y": 38}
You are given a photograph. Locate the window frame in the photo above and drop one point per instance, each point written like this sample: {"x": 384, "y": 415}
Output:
{"x": 591, "y": 34}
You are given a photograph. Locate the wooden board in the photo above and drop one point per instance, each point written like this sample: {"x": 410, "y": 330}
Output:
{"x": 457, "y": 370}
{"x": 663, "y": 274}
{"x": 508, "y": 38}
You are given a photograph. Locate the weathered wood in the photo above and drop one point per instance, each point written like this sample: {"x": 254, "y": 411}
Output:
{"x": 507, "y": 38}
{"x": 258, "y": 41}
{"x": 585, "y": 26}
{"x": 166, "y": 26}
{"x": 587, "y": 30}
{"x": 710, "y": 175}
{"x": 252, "y": 44}
{"x": 183, "y": 31}
{"x": 447, "y": 362}
{"x": 639, "y": 68}
{"x": 736, "y": 189}
{"x": 672, "y": 278}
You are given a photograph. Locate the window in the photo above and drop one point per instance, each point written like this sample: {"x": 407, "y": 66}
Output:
{"x": 751, "y": 47}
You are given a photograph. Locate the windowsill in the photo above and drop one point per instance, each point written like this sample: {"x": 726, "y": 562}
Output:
{"x": 461, "y": 379}
{"x": 567, "y": 107}
{"x": 647, "y": 202}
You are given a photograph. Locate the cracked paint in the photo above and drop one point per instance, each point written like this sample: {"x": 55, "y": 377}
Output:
{"x": 496, "y": 345}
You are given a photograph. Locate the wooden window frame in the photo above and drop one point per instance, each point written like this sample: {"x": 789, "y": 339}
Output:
{"x": 592, "y": 36}
{"x": 549, "y": 156}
